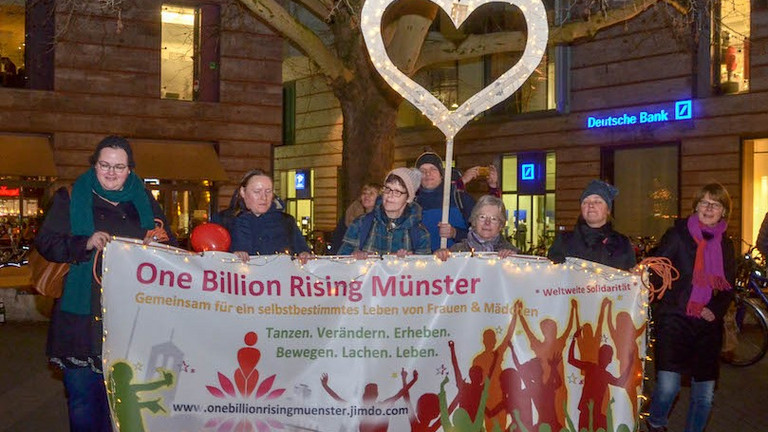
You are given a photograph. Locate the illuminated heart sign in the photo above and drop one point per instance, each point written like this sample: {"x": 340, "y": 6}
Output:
{"x": 450, "y": 122}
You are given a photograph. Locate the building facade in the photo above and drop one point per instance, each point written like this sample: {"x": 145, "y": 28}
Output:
{"x": 195, "y": 87}
{"x": 650, "y": 107}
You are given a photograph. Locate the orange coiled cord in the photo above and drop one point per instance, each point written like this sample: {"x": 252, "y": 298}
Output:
{"x": 663, "y": 268}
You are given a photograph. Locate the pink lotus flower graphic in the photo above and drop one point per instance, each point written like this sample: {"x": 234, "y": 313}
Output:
{"x": 246, "y": 380}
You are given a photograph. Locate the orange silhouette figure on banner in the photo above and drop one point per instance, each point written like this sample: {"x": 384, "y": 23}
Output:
{"x": 550, "y": 350}
{"x": 469, "y": 393}
{"x": 487, "y": 362}
{"x": 624, "y": 335}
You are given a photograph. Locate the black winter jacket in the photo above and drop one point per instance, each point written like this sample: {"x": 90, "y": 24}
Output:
{"x": 602, "y": 245}
{"x": 684, "y": 344}
{"x": 72, "y": 335}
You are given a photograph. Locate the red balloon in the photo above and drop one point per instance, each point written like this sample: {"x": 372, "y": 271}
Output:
{"x": 209, "y": 237}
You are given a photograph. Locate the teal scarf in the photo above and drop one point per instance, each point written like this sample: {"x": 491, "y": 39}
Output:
{"x": 76, "y": 298}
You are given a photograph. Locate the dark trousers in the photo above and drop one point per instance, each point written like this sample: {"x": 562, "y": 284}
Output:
{"x": 86, "y": 400}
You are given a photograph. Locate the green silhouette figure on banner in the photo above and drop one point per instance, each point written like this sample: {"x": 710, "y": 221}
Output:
{"x": 125, "y": 402}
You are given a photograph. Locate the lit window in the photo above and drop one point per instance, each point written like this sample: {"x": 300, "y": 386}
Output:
{"x": 731, "y": 46}
{"x": 11, "y": 43}
{"x": 177, "y": 65}
{"x": 530, "y": 216}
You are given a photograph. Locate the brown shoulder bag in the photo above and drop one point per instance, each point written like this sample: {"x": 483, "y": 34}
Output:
{"x": 47, "y": 276}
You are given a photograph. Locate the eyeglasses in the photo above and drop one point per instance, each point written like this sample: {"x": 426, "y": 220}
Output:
{"x": 105, "y": 167}
{"x": 710, "y": 205}
{"x": 490, "y": 219}
{"x": 394, "y": 192}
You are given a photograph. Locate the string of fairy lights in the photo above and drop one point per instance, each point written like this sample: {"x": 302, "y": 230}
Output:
{"x": 515, "y": 265}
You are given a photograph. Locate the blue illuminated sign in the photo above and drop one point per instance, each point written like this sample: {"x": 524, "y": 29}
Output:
{"x": 527, "y": 171}
{"x": 532, "y": 173}
{"x": 300, "y": 181}
{"x": 683, "y": 110}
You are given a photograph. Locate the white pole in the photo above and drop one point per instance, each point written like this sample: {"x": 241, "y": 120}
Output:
{"x": 447, "y": 185}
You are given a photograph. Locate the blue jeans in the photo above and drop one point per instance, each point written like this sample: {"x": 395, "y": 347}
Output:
{"x": 86, "y": 400}
{"x": 665, "y": 392}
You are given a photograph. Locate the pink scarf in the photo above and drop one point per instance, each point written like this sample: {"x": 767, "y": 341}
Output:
{"x": 708, "y": 272}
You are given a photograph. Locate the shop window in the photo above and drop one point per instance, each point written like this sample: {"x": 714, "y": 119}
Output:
{"x": 731, "y": 46}
{"x": 297, "y": 192}
{"x": 185, "y": 204}
{"x": 22, "y": 200}
{"x": 189, "y": 65}
{"x": 530, "y": 213}
{"x": 26, "y": 44}
{"x": 754, "y": 188}
{"x": 648, "y": 181}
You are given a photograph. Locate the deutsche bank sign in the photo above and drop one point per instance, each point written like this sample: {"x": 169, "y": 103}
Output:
{"x": 683, "y": 110}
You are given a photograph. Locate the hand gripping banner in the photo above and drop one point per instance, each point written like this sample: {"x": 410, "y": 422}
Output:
{"x": 208, "y": 343}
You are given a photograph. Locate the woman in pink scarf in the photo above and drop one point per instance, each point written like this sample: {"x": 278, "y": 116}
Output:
{"x": 689, "y": 318}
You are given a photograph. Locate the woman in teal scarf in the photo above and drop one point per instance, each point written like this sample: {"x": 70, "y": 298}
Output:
{"x": 107, "y": 200}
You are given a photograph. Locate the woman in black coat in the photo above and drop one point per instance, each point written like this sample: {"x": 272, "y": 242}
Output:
{"x": 593, "y": 238}
{"x": 689, "y": 317}
{"x": 108, "y": 200}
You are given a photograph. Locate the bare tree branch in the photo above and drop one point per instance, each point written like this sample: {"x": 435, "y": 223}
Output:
{"x": 477, "y": 45}
{"x": 274, "y": 15}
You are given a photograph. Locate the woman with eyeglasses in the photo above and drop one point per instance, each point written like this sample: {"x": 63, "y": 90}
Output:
{"x": 108, "y": 200}
{"x": 261, "y": 227}
{"x": 488, "y": 219}
{"x": 394, "y": 226}
{"x": 688, "y": 319}
{"x": 593, "y": 238}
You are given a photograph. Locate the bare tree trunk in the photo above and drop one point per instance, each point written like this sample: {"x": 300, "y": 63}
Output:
{"x": 368, "y": 136}
{"x": 369, "y": 109}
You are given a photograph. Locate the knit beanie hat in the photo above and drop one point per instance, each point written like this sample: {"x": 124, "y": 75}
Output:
{"x": 431, "y": 158}
{"x": 411, "y": 177}
{"x": 604, "y": 190}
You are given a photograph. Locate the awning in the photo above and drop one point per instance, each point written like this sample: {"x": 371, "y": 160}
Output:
{"x": 177, "y": 160}
{"x": 26, "y": 155}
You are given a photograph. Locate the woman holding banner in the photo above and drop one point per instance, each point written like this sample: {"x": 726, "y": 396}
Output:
{"x": 108, "y": 200}
{"x": 394, "y": 225}
{"x": 593, "y": 238}
{"x": 488, "y": 219}
{"x": 689, "y": 317}
{"x": 263, "y": 228}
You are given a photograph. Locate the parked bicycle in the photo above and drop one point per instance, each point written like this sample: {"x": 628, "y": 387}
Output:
{"x": 746, "y": 322}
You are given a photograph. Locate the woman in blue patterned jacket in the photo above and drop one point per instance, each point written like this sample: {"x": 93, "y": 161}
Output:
{"x": 394, "y": 225}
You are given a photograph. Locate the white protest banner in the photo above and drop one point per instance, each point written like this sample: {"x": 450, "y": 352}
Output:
{"x": 208, "y": 343}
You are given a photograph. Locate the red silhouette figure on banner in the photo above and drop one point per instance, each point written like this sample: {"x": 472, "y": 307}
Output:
{"x": 541, "y": 392}
{"x": 596, "y": 381}
{"x": 246, "y": 377}
{"x": 516, "y": 398}
{"x": 550, "y": 350}
{"x": 370, "y": 397}
{"x": 469, "y": 393}
{"x": 624, "y": 335}
{"x": 487, "y": 361}
{"x": 427, "y": 409}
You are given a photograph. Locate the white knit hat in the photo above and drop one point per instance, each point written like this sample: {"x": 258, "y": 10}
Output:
{"x": 411, "y": 177}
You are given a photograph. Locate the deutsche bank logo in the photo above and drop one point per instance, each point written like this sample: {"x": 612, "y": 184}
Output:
{"x": 528, "y": 171}
{"x": 683, "y": 110}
